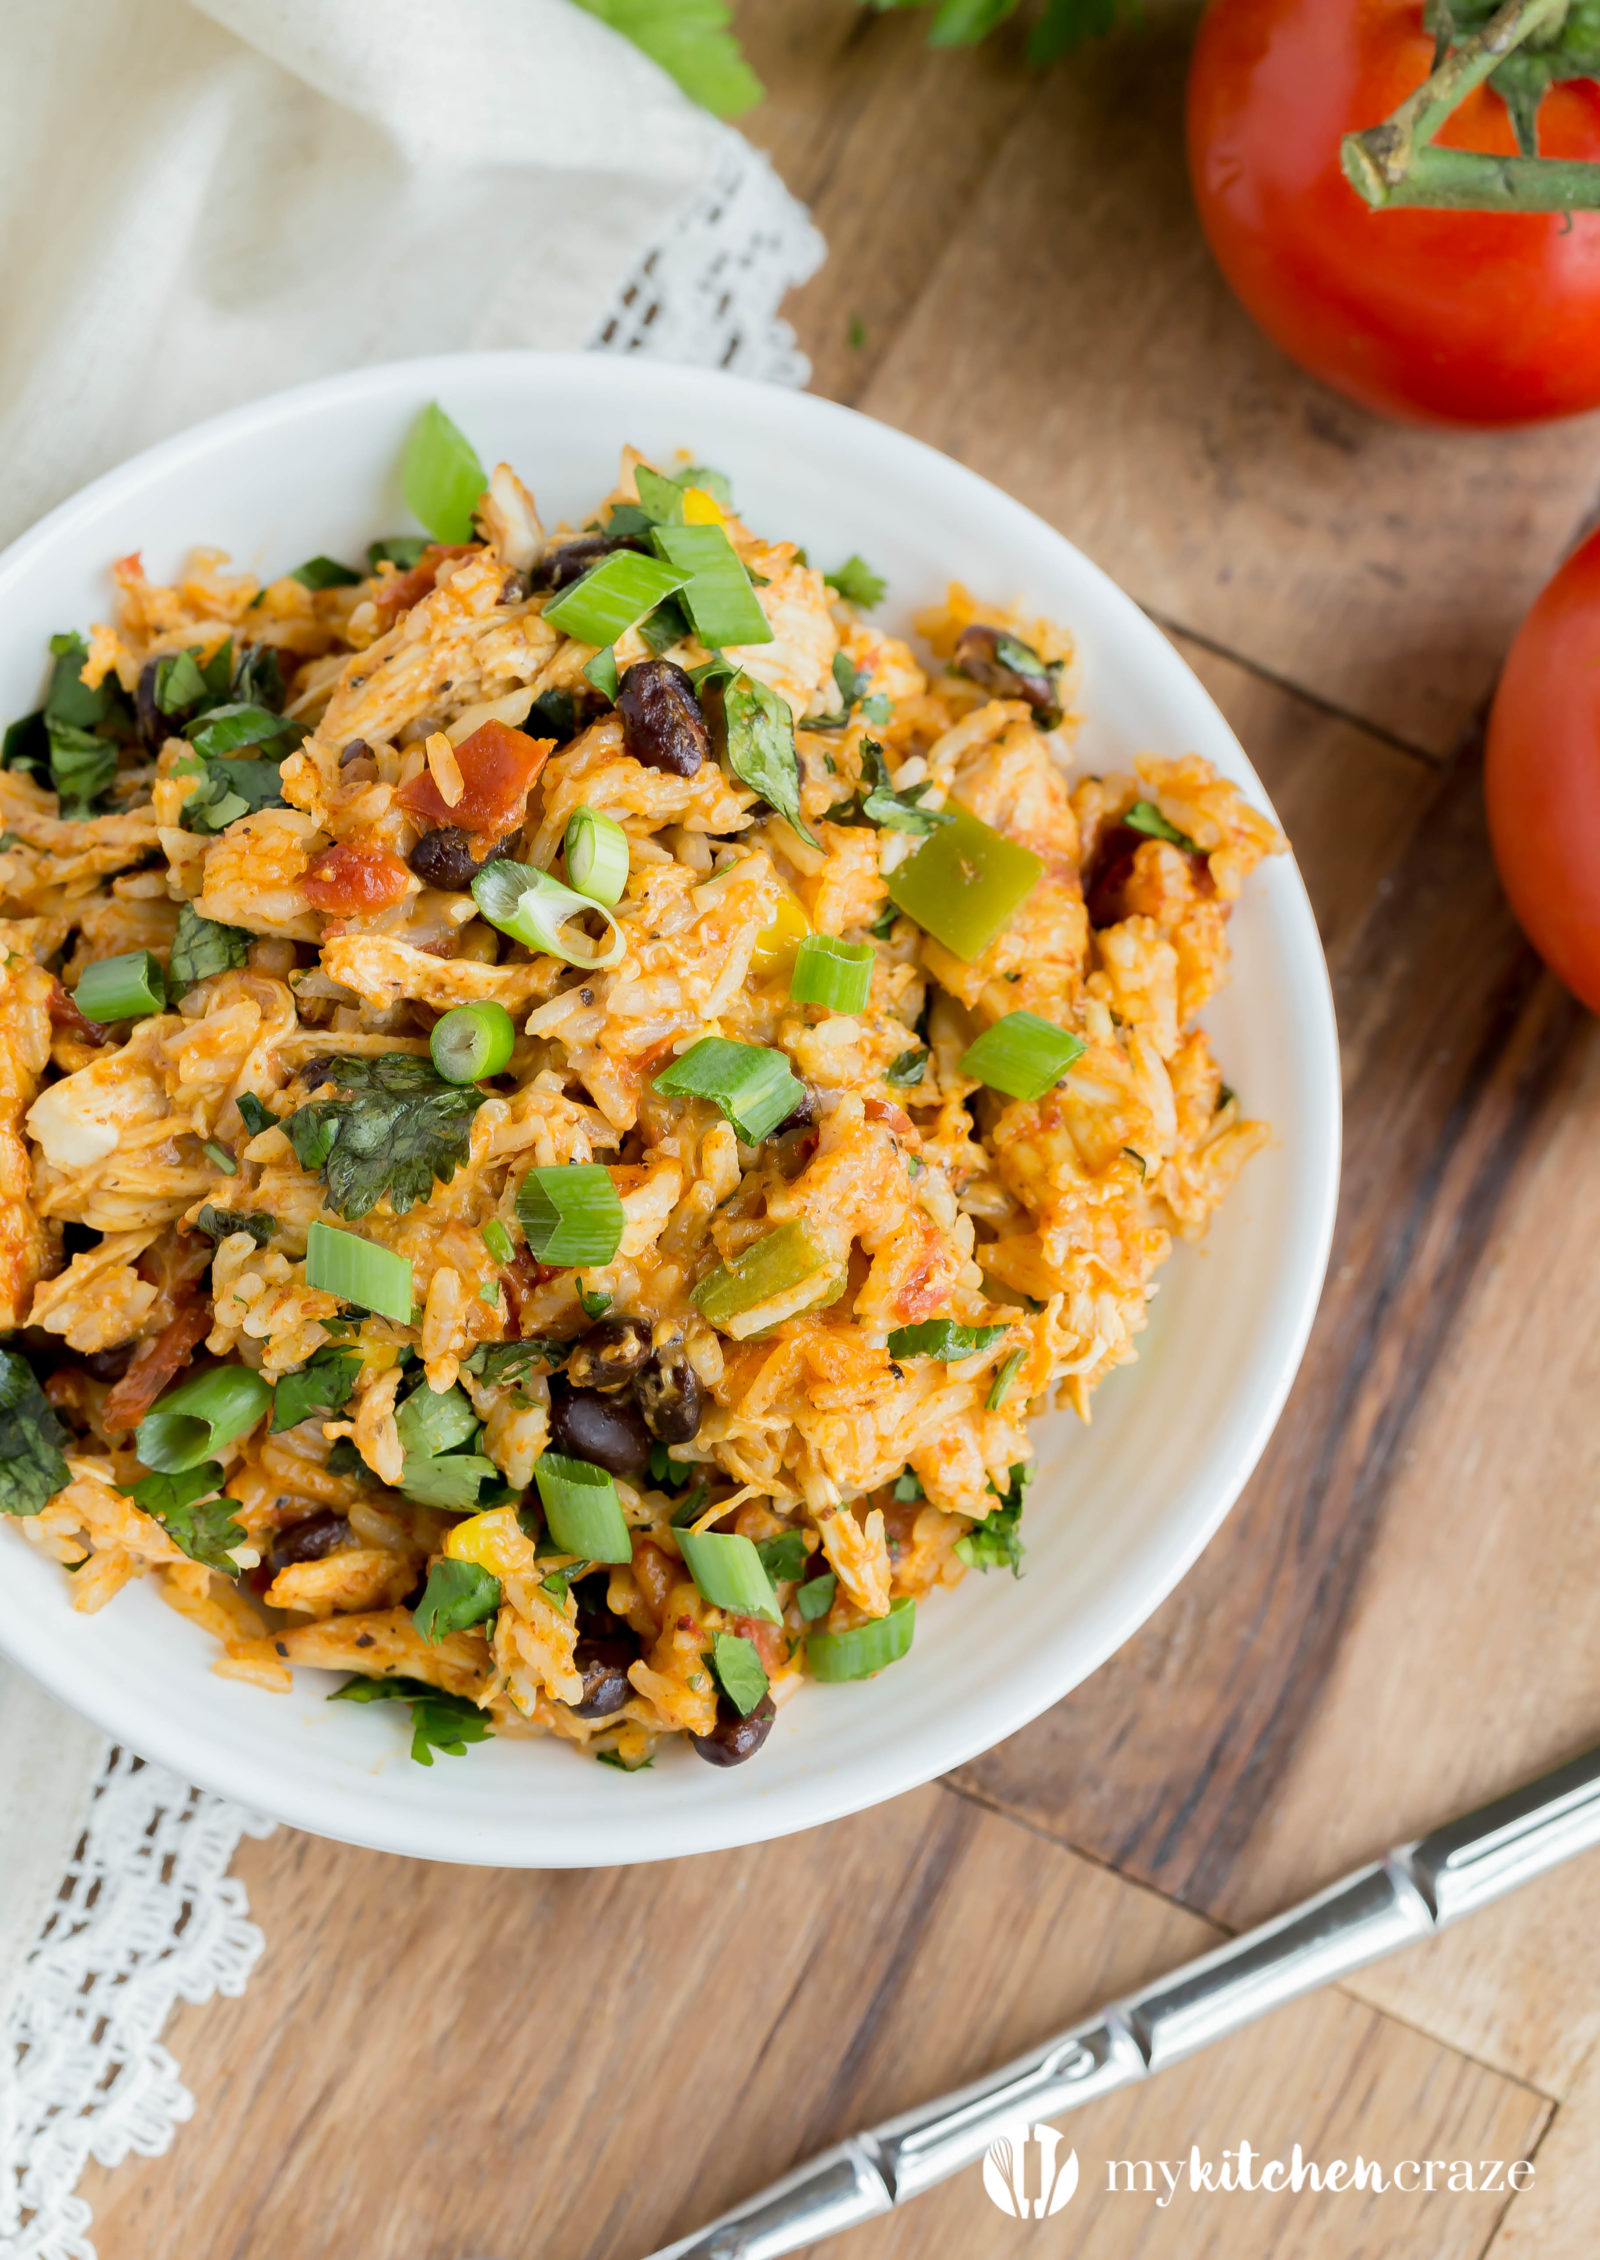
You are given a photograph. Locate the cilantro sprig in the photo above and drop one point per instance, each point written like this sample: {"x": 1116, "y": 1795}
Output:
{"x": 33, "y": 1464}
{"x": 396, "y": 1127}
{"x": 996, "y": 1542}
{"x": 192, "y": 1516}
{"x": 438, "y": 1721}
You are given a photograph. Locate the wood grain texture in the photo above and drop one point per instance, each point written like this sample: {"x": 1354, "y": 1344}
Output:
{"x": 1076, "y": 344}
{"x": 440, "y": 2062}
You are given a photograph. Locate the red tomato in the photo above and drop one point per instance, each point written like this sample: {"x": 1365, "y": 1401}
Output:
{"x": 406, "y": 589}
{"x": 355, "y": 875}
{"x": 1543, "y": 776}
{"x": 498, "y": 768}
{"x": 1457, "y": 317}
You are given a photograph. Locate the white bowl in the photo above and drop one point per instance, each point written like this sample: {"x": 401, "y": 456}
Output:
{"x": 1119, "y": 1511}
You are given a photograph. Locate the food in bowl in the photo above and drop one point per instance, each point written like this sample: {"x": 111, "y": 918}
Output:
{"x": 566, "y": 1095}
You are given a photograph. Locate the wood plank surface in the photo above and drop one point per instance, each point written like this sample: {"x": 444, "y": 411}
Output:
{"x": 452, "y": 2062}
{"x": 442, "y": 2064}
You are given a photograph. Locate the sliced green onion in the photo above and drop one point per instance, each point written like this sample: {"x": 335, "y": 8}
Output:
{"x": 121, "y": 988}
{"x": 717, "y": 592}
{"x": 780, "y": 1263}
{"x": 1021, "y": 1055}
{"x": 815, "y": 1597}
{"x": 1000, "y": 1387}
{"x": 865, "y": 1648}
{"x": 326, "y": 573}
{"x": 940, "y": 1338}
{"x": 472, "y": 1041}
{"x": 601, "y": 670}
{"x": 456, "y": 1596}
{"x": 1144, "y": 816}
{"x": 597, "y": 855}
{"x": 194, "y": 1421}
{"x": 613, "y": 596}
{"x": 441, "y": 477}
{"x": 359, "y": 1271}
{"x": 571, "y": 1214}
{"x": 728, "y": 1571}
{"x": 753, "y": 1085}
{"x": 740, "y": 1673}
{"x": 582, "y": 1509}
{"x": 832, "y": 973}
{"x": 220, "y": 1156}
{"x": 539, "y": 911}
{"x": 965, "y": 883}
{"x": 498, "y": 1241}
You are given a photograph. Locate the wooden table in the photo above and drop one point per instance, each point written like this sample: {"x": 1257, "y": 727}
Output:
{"x": 1398, "y": 1618}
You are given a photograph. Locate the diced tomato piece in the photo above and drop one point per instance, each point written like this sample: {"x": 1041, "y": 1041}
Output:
{"x": 64, "y": 1014}
{"x": 768, "y": 1640}
{"x": 408, "y": 588}
{"x": 499, "y": 766}
{"x": 356, "y": 875}
{"x": 156, "y": 1365}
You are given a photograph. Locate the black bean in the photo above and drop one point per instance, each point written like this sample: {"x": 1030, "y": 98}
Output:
{"x": 610, "y": 1354}
{"x": 603, "y": 1664}
{"x": 444, "y": 858}
{"x": 603, "y": 1426}
{"x": 662, "y": 724}
{"x": 734, "y": 1739}
{"x": 1015, "y": 673}
{"x": 802, "y": 1115}
{"x": 357, "y": 750}
{"x": 558, "y": 568}
{"x": 109, "y": 1365}
{"x": 514, "y": 588}
{"x": 154, "y": 727}
{"x": 671, "y": 1396}
{"x": 313, "y": 1540}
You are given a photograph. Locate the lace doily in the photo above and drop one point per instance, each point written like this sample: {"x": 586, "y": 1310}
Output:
{"x": 147, "y": 1914}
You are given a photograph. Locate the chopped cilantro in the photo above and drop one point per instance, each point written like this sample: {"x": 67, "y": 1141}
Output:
{"x": 33, "y": 1464}
{"x": 325, "y": 573}
{"x": 203, "y": 1525}
{"x": 457, "y": 1595}
{"x": 400, "y": 550}
{"x": 692, "y": 42}
{"x": 1144, "y": 816}
{"x": 433, "y": 1426}
{"x": 613, "y": 1757}
{"x": 513, "y": 1362}
{"x": 397, "y": 1127}
{"x": 815, "y": 1597}
{"x": 908, "y": 1486}
{"x": 228, "y": 789}
{"x": 201, "y": 947}
{"x": 907, "y": 1071}
{"x": 218, "y": 1223}
{"x": 784, "y": 1556}
{"x": 996, "y": 1542}
{"x": 345, "y": 1460}
{"x": 857, "y": 583}
{"x": 738, "y": 1670}
{"x": 438, "y": 1721}
{"x": 596, "y": 1302}
{"x": 254, "y": 1115}
{"x": 324, "y": 1384}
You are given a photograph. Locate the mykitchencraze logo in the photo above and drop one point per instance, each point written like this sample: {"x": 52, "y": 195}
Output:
{"x": 1025, "y": 2177}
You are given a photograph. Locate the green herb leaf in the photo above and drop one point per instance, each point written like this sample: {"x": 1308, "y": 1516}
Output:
{"x": 784, "y": 1556}
{"x": 400, "y": 550}
{"x": 203, "y": 946}
{"x": 219, "y": 1223}
{"x": 996, "y": 1542}
{"x": 325, "y": 573}
{"x": 26, "y": 746}
{"x": 896, "y": 812}
{"x": 514, "y": 1362}
{"x": 940, "y": 1338}
{"x": 441, "y": 477}
{"x": 254, "y": 1115}
{"x": 595, "y": 1301}
{"x": 227, "y": 790}
{"x": 1000, "y": 1387}
{"x": 758, "y": 731}
{"x": 324, "y": 1384}
{"x": 692, "y": 42}
{"x": 259, "y": 680}
{"x": 614, "y": 1757}
{"x": 1144, "y": 816}
{"x": 438, "y": 1721}
{"x": 908, "y": 1486}
{"x": 82, "y": 766}
{"x": 33, "y": 1464}
{"x": 179, "y": 684}
{"x": 223, "y": 730}
{"x": 737, "y": 1667}
{"x": 857, "y": 583}
{"x": 203, "y": 1525}
{"x": 906, "y": 1072}
{"x": 457, "y": 1595}
{"x": 397, "y": 1127}
{"x": 815, "y": 1597}
{"x": 432, "y": 1427}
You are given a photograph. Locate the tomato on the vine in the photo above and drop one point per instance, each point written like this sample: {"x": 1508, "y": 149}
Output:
{"x": 1543, "y": 774}
{"x": 1468, "y": 317}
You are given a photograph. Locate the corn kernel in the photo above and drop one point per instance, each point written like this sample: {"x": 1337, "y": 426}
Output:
{"x": 700, "y": 508}
{"x": 494, "y": 1540}
{"x": 777, "y": 943}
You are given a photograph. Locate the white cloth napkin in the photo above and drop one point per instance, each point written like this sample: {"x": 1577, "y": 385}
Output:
{"x": 200, "y": 203}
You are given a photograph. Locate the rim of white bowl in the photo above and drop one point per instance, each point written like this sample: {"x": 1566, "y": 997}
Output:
{"x": 403, "y": 1824}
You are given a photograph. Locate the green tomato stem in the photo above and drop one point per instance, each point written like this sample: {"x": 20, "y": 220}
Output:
{"x": 1396, "y": 164}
